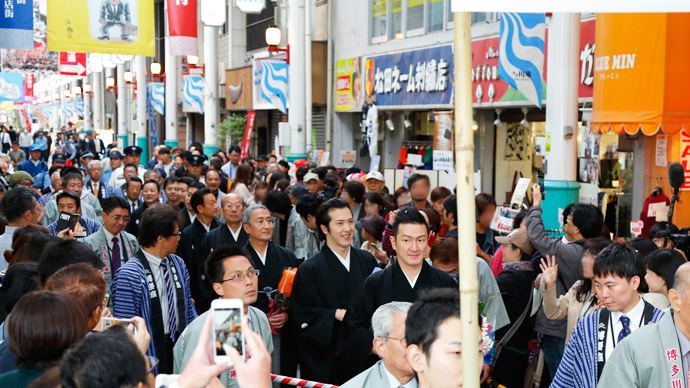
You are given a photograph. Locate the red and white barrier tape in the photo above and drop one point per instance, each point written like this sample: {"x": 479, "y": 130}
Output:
{"x": 299, "y": 382}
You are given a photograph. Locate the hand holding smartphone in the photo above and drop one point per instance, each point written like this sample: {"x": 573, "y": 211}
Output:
{"x": 227, "y": 317}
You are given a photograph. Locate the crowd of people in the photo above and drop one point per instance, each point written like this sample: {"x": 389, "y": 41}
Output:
{"x": 343, "y": 280}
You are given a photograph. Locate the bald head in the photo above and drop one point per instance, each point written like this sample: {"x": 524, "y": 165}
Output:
{"x": 681, "y": 281}
{"x": 232, "y": 207}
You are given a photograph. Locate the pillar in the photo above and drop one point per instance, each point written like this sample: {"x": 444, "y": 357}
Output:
{"x": 296, "y": 109}
{"x": 98, "y": 94}
{"x": 142, "y": 113}
{"x": 171, "y": 70}
{"x": 563, "y": 58}
{"x": 122, "y": 127}
{"x": 88, "y": 125}
{"x": 210, "y": 90}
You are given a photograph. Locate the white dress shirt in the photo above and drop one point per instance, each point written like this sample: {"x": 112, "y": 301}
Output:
{"x": 394, "y": 383}
{"x": 157, "y": 272}
{"x": 345, "y": 261}
{"x": 109, "y": 240}
{"x": 635, "y": 316}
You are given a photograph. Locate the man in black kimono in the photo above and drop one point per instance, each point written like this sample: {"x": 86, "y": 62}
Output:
{"x": 187, "y": 214}
{"x": 206, "y": 208}
{"x": 400, "y": 282}
{"x": 271, "y": 259}
{"x": 232, "y": 233}
{"x": 324, "y": 287}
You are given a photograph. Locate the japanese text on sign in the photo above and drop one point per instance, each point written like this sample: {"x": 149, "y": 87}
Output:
{"x": 685, "y": 158}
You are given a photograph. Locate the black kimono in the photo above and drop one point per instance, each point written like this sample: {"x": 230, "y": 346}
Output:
{"x": 183, "y": 218}
{"x": 189, "y": 249}
{"x": 222, "y": 236}
{"x": 388, "y": 285}
{"x": 134, "y": 219}
{"x": 277, "y": 259}
{"x": 322, "y": 286}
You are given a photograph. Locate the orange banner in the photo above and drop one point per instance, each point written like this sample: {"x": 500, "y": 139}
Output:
{"x": 640, "y": 73}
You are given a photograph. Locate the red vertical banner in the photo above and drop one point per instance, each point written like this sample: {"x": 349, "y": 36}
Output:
{"x": 248, "y": 129}
{"x": 29, "y": 85}
{"x": 182, "y": 22}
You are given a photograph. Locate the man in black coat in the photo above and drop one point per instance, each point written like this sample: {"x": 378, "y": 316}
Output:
{"x": 232, "y": 233}
{"x": 402, "y": 281}
{"x": 190, "y": 247}
{"x": 324, "y": 287}
{"x": 271, "y": 259}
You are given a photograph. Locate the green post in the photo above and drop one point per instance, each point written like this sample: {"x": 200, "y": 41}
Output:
{"x": 559, "y": 194}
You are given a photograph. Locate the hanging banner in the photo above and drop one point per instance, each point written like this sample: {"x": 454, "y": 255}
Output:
{"x": 274, "y": 83}
{"x": 154, "y": 128}
{"x": 182, "y": 27}
{"x": 193, "y": 94}
{"x": 157, "y": 93}
{"x": 684, "y": 157}
{"x": 17, "y": 25}
{"x": 11, "y": 87}
{"x": 521, "y": 53}
{"x": 29, "y": 86}
{"x": 571, "y": 6}
{"x": 102, "y": 26}
{"x": 248, "y": 129}
{"x": 349, "y": 93}
{"x": 443, "y": 141}
{"x": 38, "y": 58}
{"x": 79, "y": 107}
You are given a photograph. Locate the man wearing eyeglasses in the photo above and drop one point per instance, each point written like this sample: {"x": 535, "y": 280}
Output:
{"x": 232, "y": 272}
{"x": 111, "y": 243}
{"x": 392, "y": 370}
{"x": 271, "y": 259}
{"x": 154, "y": 284}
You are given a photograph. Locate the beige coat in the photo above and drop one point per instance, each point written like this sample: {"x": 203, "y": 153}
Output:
{"x": 565, "y": 306}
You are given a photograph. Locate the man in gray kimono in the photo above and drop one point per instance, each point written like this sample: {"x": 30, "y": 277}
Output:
{"x": 393, "y": 370}
{"x": 111, "y": 243}
{"x": 232, "y": 273}
{"x": 657, "y": 355}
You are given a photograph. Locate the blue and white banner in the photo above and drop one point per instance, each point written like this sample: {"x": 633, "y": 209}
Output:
{"x": 11, "y": 86}
{"x": 17, "y": 24}
{"x": 79, "y": 107}
{"x": 67, "y": 109}
{"x": 157, "y": 96}
{"x": 521, "y": 53}
{"x": 274, "y": 83}
{"x": 193, "y": 94}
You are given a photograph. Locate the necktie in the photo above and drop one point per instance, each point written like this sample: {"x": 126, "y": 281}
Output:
{"x": 95, "y": 191}
{"x": 626, "y": 328}
{"x": 134, "y": 206}
{"x": 115, "y": 256}
{"x": 172, "y": 324}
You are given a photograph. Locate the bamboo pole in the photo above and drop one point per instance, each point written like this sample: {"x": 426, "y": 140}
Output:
{"x": 464, "y": 162}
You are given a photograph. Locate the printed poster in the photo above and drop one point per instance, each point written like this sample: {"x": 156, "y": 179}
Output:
{"x": 38, "y": 58}
{"x": 16, "y": 24}
{"x": 349, "y": 93}
{"x": 102, "y": 26}
{"x": 11, "y": 87}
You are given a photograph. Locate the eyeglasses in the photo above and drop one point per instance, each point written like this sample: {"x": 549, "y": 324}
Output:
{"x": 26, "y": 184}
{"x": 178, "y": 234}
{"x": 120, "y": 218}
{"x": 240, "y": 276}
{"x": 402, "y": 340}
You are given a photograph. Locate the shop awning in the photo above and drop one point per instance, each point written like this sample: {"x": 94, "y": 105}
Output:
{"x": 642, "y": 73}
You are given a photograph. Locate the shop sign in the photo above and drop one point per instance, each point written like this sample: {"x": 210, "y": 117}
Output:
{"x": 685, "y": 158}
{"x": 348, "y": 158}
{"x": 443, "y": 160}
{"x": 349, "y": 94}
{"x": 487, "y": 87}
{"x": 419, "y": 77}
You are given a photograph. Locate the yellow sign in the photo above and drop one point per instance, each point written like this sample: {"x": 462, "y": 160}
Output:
{"x": 102, "y": 26}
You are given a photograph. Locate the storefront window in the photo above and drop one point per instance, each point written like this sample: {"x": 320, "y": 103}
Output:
{"x": 415, "y": 16}
{"x": 396, "y": 19}
{"x": 378, "y": 16}
{"x": 436, "y": 15}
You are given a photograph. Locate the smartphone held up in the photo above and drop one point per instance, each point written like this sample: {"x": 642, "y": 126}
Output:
{"x": 227, "y": 317}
